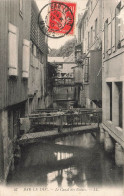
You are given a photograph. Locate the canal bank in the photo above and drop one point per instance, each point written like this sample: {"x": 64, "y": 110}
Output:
{"x": 71, "y": 161}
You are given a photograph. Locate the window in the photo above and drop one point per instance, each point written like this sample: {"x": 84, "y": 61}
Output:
{"x": 96, "y": 30}
{"x": 79, "y": 33}
{"x": 122, "y": 23}
{"x": 117, "y": 21}
{"x": 120, "y": 112}
{"x": 21, "y": 7}
{"x": 113, "y": 34}
{"x": 109, "y": 36}
{"x": 13, "y": 50}
{"x": 110, "y": 100}
{"x": 34, "y": 50}
{"x": 26, "y": 58}
{"x": 106, "y": 35}
{"x": 91, "y": 41}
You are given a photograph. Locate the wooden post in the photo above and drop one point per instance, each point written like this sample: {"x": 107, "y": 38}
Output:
{"x": 1, "y": 153}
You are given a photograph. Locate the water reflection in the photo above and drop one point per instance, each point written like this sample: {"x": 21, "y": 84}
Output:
{"x": 73, "y": 161}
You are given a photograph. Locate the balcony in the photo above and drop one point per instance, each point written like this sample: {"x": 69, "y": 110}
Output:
{"x": 63, "y": 82}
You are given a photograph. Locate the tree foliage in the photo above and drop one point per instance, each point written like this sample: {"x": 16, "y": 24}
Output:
{"x": 64, "y": 50}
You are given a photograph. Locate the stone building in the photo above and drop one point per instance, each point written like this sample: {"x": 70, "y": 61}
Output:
{"x": 37, "y": 85}
{"x": 23, "y": 55}
{"x": 89, "y": 53}
{"x": 113, "y": 73}
{"x": 14, "y": 52}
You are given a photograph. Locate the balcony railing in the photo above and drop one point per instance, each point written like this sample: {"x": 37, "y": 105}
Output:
{"x": 66, "y": 96}
{"x": 63, "y": 82}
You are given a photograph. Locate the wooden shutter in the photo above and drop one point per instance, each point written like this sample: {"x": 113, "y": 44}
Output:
{"x": 122, "y": 31}
{"x": 113, "y": 34}
{"x": 13, "y": 50}
{"x": 26, "y": 58}
{"x": 122, "y": 24}
{"x": 109, "y": 36}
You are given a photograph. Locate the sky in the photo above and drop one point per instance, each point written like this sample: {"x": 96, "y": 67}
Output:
{"x": 57, "y": 43}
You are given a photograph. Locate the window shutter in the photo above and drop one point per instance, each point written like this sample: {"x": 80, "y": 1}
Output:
{"x": 109, "y": 36}
{"x": 106, "y": 36}
{"x": 113, "y": 34}
{"x": 122, "y": 31}
{"x": 26, "y": 58}
{"x": 13, "y": 50}
{"x": 34, "y": 50}
{"x": 122, "y": 26}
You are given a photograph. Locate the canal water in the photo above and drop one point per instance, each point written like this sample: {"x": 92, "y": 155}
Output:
{"x": 72, "y": 161}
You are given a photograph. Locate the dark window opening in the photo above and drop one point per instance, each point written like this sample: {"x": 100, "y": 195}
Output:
{"x": 120, "y": 115}
{"x": 110, "y": 98}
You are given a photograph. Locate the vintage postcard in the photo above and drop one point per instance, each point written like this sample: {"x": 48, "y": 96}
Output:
{"x": 62, "y": 97}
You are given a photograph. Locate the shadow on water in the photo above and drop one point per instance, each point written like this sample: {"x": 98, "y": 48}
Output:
{"x": 73, "y": 161}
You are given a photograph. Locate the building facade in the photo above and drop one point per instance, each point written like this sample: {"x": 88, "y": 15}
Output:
{"x": 63, "y": 85}
{"x": 37, "y": 87}
{"x": 89, "y": 53}
{"x": 23, "y": 62}
{"x": 113, "y": 70}
{"x": 14, "y": 66}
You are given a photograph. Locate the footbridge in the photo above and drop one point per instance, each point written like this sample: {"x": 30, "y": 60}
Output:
{"x": 44, "y": 124}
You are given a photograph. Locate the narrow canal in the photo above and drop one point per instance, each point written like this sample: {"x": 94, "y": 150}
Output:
{"x": 72, "y": 161}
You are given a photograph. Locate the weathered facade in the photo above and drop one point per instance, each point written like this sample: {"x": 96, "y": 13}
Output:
{"x": 14, "y": 35}
{"x": 113, "y": 70}
{"x": 89, "y": 53}
{"x": 23, "y": 57}
{"x": 37, "y": 87}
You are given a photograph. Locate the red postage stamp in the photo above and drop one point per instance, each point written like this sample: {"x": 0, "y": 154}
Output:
{"x": 62, "y": 17}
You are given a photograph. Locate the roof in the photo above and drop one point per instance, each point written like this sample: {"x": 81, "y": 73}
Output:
{"x": 55, "y": 59}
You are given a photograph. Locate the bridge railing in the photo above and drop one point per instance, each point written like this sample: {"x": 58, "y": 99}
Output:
{"x": 67, "y": 119}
